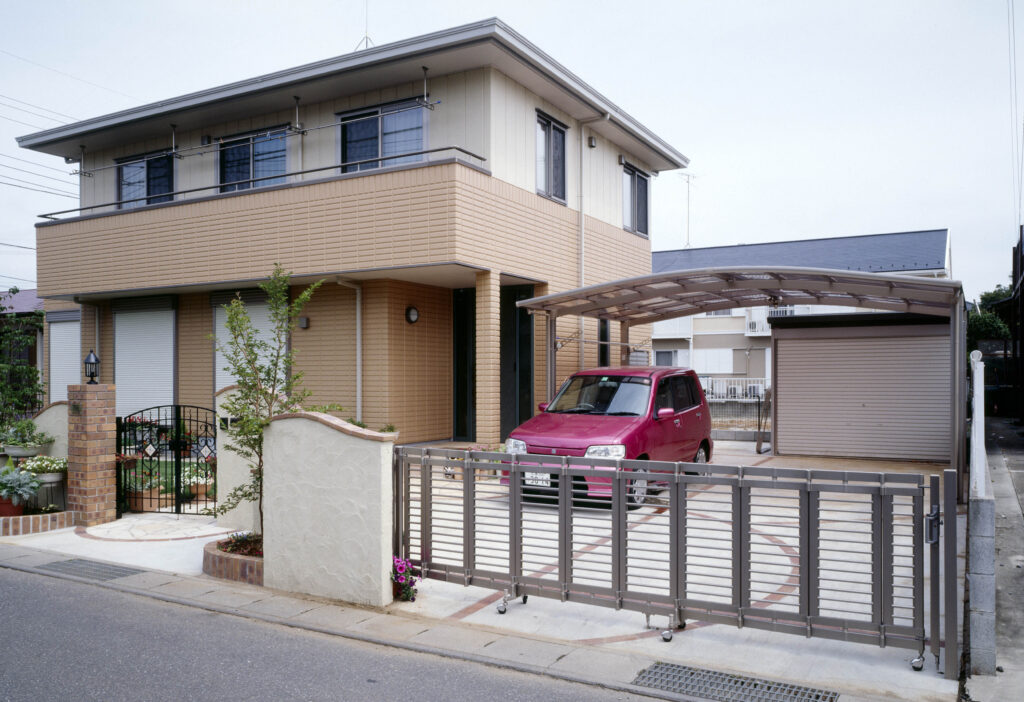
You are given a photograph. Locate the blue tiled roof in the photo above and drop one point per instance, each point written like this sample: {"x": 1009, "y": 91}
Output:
{"x": 875, "y": 253}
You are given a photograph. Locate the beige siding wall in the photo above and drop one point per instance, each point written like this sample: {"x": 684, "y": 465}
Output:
{"x": 326, "y": 351}
{"x": 703, "y": 325}
{"x": 195, "y": 350}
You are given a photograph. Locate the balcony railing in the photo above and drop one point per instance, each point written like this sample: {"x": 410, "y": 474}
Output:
{"x": 254, "y": 182}
{"x": 740, "y": 389}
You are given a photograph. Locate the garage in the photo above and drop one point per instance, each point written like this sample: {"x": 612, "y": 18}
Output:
{"x": 862, "y": 386}
{"x": 144, "y": 357}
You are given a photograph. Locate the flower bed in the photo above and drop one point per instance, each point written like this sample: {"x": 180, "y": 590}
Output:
{"x": 232, "y": 566}
{"x": 35, "y": 523}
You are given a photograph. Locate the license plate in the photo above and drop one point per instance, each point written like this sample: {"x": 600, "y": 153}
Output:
{"x": 537, "y": 479}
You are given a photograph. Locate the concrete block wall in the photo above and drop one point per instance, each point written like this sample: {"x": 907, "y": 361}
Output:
{"x": 327, "y": 508}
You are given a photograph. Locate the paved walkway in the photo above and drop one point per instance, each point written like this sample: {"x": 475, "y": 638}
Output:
{"x": 1005, "y": 445}
{"x": 568, "y": 640}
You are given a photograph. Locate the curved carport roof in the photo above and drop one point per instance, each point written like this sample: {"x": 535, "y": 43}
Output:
{"x": 661, "y": 296}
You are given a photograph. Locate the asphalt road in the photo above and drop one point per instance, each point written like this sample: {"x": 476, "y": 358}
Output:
{"x": 65, "y": 640}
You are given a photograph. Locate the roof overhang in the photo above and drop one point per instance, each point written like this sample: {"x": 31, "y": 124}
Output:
{"x": 661, "y": 296}
{"x": 486, "y": 43}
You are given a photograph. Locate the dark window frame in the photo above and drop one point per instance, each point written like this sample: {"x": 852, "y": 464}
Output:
{"x": 378, "y": 112}
{"x": 634, "y": 220}
{"x": 150, "y": 197}
{"x": 603, "y": 339}
{"x": 236, "y": 140}
{"x": 555, "y": 186}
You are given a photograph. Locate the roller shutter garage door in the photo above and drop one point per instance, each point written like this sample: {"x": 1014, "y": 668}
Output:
{"x": 259, "y": 315}
{"x": 66, "y": 358}
{"x": 143, "y": 359}
{"x": 884, "y": 397}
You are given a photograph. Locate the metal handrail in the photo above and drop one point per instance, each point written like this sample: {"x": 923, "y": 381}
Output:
{"x": 173, "y": 193}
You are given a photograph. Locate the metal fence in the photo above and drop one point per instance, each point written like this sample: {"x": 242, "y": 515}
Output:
{"x": 830, "y": 554}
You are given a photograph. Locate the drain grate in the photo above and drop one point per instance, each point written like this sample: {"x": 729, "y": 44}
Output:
{"x": 93, "y": 570}
{"x": 726, "y": 687}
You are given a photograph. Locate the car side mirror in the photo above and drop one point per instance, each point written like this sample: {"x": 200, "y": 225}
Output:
{"x": 543, "y": 407}
{"x": 665, "y": 413}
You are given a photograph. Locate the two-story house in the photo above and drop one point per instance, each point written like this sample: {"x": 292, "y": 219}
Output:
{"x": 431, "y": 182}
{"x": 731, "y": 349}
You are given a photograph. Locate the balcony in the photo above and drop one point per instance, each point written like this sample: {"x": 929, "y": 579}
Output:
{"x": 757, "y": 317}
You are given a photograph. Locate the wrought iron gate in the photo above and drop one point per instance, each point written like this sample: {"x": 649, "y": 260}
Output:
{"x": 830, "y": 554}
{"x": 167, "y": 460}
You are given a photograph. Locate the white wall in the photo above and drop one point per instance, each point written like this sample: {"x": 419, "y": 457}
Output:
{"x": 53, "y": 420}
{"x": 328, "y": 509}
{"x": 232, "y": 471}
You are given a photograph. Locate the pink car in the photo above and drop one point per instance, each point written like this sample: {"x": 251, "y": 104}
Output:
{"x": 649, "y": 413}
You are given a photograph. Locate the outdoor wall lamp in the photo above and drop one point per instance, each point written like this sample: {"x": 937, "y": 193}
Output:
{"x": 412, "y": 314}
{"x": 92, "y": 367}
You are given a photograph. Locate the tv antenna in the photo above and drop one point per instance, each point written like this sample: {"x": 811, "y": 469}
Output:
{"x": 366, "y": 42}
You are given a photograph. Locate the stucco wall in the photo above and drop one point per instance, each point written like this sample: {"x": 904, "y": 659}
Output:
{"x": 232, "y": 471}
{"x": 53, "y": 420}
{"x": 328, "y": 509}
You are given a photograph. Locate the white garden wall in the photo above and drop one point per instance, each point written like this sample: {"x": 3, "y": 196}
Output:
{"x": 53, "y": 420}
{"x": 232, "y": 471}
{"x": 328, "y": 493}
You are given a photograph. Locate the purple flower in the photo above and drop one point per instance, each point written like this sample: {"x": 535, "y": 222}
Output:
{"x": 400, "y": 567}
{"x": 401, "y": 578}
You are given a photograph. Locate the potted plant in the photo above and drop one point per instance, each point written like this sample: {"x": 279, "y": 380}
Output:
{"x": 48, "y": 469}
{"x": 403, "y": 580}
{"x": 21, "y": 439}
{"x": 141, "y": 488}
{"x": 16, "y": 487}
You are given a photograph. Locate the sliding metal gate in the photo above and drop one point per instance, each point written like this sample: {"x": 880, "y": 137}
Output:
{"x": 830, "y": 554}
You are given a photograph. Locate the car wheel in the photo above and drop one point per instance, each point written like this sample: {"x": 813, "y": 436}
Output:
{"x": 637, "y": 493}
{"x": 702, "y": 455}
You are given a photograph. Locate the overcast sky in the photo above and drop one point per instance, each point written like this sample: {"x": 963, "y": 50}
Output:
{"x": 802, "y": 119}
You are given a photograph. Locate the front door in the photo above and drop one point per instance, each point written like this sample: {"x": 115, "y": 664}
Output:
{"x": 516, "y": 358}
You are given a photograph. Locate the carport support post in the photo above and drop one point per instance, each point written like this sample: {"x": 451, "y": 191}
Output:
{"x": 550, "y": 372}
{"x": 624, "y": 339}
{"x": 958, "y": 380}
{"x": 91, "y": 448}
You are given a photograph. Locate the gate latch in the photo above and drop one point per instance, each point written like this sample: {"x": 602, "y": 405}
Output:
{"x": 931, "y": 526}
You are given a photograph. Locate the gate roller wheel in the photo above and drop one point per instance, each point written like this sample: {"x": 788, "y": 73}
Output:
{"x": 681, "y": 625}
{"x": 917, "y": 663}
{"x": 666, "y": 635}
{"x": 502, "y": 608}
{"x": 524, "y": 598}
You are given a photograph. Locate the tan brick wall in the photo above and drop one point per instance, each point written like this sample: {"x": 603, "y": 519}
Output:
{"x": 326, "y": 351}
{"x": 194, "y": 320}
{"x": 488, "y": 358}
{"x": 91, "y": 445}
{"x": 376, "y": 355}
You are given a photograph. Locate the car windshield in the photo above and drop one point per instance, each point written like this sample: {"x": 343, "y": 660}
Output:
{"x": 620, "y": 395}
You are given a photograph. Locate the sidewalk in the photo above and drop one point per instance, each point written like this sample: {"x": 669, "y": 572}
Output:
{"x": 1005, "y": 445}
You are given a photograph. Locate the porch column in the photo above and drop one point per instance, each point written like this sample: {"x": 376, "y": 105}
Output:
{"x": 91, "y": 449}
{"x": 551, "y": 365}
{"x": 624, "y": 347}
{"x": 488, "y": 358}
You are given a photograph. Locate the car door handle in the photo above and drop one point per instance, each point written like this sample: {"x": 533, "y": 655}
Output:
{"x": 677, "y": 422}
{"x": 698, "y": 415}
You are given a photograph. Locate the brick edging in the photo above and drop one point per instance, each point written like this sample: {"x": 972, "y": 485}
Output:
{"x": 35, "y": 523}
{"x": 231, "y": 566}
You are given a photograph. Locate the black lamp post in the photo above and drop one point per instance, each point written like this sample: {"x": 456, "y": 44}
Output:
{"x": 92, "y": 367}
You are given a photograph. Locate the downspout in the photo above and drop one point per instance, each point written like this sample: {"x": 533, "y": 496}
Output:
{"x": 359, "y": 343}
{"x": 581, "y": 244}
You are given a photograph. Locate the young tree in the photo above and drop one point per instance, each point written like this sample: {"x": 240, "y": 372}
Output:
{"x": 267, "y": 383}
{"x": 19, "y": 379}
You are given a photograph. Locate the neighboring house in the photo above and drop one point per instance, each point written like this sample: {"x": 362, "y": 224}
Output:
{"x": 731, "y": 349}
{"x": 431, "y": 182}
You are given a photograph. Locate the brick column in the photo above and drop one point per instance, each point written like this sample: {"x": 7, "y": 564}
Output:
{"x": 91, "y": 448}
{"x": 488, "y": 358}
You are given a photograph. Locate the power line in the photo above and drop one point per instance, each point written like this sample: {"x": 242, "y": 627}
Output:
{"x": 48, "y": 192}
{"x": 11, "y": 119}
{"x": 40, "y": 185}
{"x": 40, "y": 165}
{"x": 1016, "y": 163}
{"x": 38, "y": 107}
{"x": 37, "y": 175}
{"x": 18, "y": 246}
{"x": 14, "y": 277}
{"x": 68, "y": 75}
{"x": 37, "y": 114}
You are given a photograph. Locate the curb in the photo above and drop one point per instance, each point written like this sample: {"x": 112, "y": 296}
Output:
{"x": 356, "y": 636}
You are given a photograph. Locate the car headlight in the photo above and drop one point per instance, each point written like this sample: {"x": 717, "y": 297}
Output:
{"x": 612, "y": 451}
{"x": 515, "y": 446}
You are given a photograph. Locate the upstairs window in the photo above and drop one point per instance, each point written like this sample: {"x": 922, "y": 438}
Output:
{"x": 634, "y": 200}
{"x": 256, "y": 155}
{"x": 389, "y": 130}
{"x": 550, "y": 158}
{"x": 145, "y": 179}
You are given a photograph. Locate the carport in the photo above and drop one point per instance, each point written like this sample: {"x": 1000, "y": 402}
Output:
{"x": 661, "y": 296}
